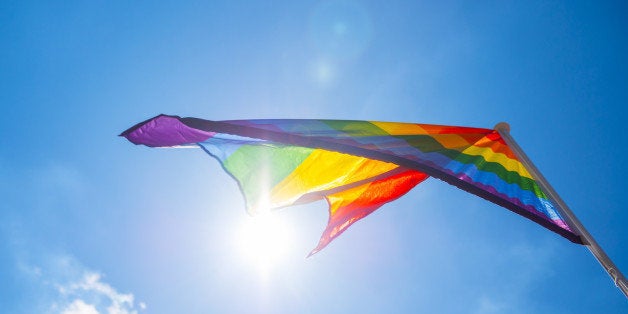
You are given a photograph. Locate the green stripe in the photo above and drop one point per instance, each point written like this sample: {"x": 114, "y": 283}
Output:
{"x": 355, "y": 128}
{"x": 258, "y": 168}
{"x": 428, "y": 144}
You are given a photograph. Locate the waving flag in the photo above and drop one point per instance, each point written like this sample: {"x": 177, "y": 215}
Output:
{"x": 357, "y": 166}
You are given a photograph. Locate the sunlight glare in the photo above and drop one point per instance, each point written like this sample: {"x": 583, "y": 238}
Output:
{"x": 264, "y": 240}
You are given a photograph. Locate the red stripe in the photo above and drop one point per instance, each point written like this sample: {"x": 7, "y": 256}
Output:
{"x": 496, "y": 144}
{"x": 377, "y": 194}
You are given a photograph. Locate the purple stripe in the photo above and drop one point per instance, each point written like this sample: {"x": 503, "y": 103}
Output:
{"x": 163, "y": 131}
{"x": 561, "y": 223}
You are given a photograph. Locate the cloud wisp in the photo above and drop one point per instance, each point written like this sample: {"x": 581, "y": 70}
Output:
{"x": 68, "y": 287}
{"x": 91, "y": 295}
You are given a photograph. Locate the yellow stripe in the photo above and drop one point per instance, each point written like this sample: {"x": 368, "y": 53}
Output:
{"x": 323, "y": 170}
{"x": 456, "y": 142}
{"x": 346, "y": 197}
{"x": 451, "y": 141}
{"x": 490, "y": 155}
{"x": 394, "y": 128}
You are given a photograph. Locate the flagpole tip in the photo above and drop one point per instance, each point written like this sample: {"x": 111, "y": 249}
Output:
{"x": 502, "y": 126}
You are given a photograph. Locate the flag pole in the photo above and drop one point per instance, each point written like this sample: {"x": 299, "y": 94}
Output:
{"x": 618, "y": 278}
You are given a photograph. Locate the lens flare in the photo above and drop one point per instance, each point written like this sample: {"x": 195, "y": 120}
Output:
{"x": 264, "y": 240}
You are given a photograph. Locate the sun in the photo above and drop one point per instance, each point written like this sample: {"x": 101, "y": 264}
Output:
{"x": 264, "y": 240}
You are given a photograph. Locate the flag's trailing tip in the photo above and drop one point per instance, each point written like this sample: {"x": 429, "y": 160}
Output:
{"x": 140, "y": 124}
{"x": 165, "y": 131}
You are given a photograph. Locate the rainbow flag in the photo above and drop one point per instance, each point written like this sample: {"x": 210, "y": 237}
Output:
{"x": 357, "y": 166}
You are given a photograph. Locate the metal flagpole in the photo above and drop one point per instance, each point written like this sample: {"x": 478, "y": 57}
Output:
{"x": 620, "y": 281}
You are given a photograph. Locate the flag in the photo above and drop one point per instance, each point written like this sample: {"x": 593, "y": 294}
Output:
{"x": 357, "y": 166}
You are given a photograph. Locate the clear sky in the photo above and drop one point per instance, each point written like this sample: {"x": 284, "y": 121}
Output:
{"x": 90, "y": 223}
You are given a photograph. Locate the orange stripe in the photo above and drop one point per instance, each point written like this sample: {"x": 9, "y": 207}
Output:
{"x": 496, "y": 144}
{"x": 351, "y": 205}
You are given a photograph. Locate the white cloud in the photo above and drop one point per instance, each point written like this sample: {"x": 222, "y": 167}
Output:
{"x": 79, "y": 307}
{"x": 65, "y": 286}
{"x": 99, "y": 296}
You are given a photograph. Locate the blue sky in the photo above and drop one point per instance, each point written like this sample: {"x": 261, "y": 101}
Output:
{"x": 90, "y": 223}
